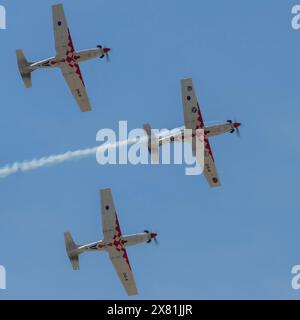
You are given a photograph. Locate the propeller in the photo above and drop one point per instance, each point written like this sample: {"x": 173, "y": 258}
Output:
{"x": 105, "y": 50}
{"x": 237, "y": 130}
{"x": 236, "y": 127}
{"x": 153, "y": 236}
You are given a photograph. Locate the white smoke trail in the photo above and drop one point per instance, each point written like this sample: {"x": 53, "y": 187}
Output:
{"x": 34, "y": 164}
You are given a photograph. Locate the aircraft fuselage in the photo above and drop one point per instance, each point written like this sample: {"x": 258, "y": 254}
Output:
{"x": 125, "y": 241}
{"x": 179, "y": 134}
{"x": 77, "y": 57}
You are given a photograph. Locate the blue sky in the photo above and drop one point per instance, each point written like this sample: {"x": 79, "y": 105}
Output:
{"x": 239, "y": 241}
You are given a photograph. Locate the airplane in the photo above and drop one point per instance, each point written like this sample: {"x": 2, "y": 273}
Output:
{"x": 67, "y": 59}
{"x": 193, "y": 120}
{"x": 114, "y": 243}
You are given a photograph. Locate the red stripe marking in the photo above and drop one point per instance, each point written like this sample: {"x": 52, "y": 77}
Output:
{"x": 119, "y": 242}
{"x": 200, "y": 125}
{"x": 72, "y": 59}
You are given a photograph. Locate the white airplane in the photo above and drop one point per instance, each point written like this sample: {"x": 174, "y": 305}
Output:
{"x": 194, "y": 121}
{"x": 67, "y": 59}
{"x": 114, "y": 243}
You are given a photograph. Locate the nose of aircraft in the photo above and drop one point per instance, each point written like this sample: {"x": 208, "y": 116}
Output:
{"x": 237, "y": 124}
{"x": 153, "y": 235}
{"x": 106, "y": 50}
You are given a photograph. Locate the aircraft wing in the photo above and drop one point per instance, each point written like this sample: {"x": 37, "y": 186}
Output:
{"x": 117, "y": 251}
{"x": 73, "y": 77}
{"x": 110, "y": 223}
{"x": 121, "y": 263}
{"x": 61, "y": 30}
{"x": 193, "y": 120}
{"x": 192, "y": 116}
{"x": 67, "y": 55}
{"x": 210, "y": 170}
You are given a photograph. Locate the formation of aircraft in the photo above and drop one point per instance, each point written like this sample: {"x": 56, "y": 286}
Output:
{"x": 193, "y": 120}
{"x": 67, "y": 59}
{"x": 114, "y": 243}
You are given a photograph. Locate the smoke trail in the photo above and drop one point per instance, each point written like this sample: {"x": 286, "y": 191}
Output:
{"x": 34, "y": 164}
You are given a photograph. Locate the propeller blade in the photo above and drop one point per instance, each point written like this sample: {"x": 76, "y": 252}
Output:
{"x": 238, "y": 132}
{"x": 237, "y": 129}
{"x": 106, "y": 52}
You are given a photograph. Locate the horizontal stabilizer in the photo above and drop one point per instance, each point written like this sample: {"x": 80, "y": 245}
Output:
{"x": 24, "y": 68}
{"x": 153, "y": 146}
{"x": 71, "y": 248}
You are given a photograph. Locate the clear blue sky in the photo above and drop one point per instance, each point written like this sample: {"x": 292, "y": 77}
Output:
{"x": 239, "y": 241}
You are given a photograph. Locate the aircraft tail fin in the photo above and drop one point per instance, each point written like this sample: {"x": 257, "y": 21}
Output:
{"x": 24, "y": 68}
{"x": 71, "y": 248}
